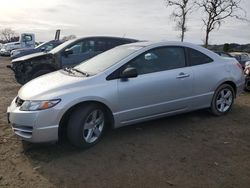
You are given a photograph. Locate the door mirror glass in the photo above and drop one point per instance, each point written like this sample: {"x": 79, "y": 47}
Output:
{"x": 129, "y": 72}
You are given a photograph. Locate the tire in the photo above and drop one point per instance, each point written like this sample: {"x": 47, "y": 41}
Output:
{"x": 86, "y": 125}
{"x": 223, "y": 100}
{"x": 247, "y": 84}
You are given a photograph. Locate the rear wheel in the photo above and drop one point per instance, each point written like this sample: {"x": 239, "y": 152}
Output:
{"x": 223, "y": 100}
{"x": 86, "y": 126}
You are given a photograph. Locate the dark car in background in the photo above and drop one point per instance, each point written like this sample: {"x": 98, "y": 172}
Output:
{"x": 68, "y": 54}
{"x": 242, "y": 57}
{"x": 223, "y": 54}
{"x": 46, "y": 46}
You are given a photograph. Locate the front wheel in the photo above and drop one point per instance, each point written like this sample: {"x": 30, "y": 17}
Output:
{"x": 86, "y": 125}
{"x": 223, "y": 100}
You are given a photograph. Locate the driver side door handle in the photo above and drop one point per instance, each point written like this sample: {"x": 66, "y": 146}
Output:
{"x": 182, "y": 75}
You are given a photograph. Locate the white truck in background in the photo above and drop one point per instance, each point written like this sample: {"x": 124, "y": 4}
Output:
{"x": 26, "y": 40}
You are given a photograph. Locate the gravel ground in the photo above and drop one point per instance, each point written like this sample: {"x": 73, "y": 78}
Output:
{"x": 191, "y": 150}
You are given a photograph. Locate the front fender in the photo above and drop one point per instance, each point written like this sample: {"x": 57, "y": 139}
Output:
{"x": 68, "y": 106}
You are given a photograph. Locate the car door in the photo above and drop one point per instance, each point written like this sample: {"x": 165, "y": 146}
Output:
{"x": 207, "y": 75}
{"x": 163, "y": 85}
{"x": 79, "y": 52}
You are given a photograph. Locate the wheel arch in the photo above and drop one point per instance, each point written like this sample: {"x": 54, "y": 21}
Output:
{"x": 65, "y": 117}
{"x": 229, "y": 82}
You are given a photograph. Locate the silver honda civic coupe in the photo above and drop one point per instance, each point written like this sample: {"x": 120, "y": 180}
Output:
{"x": 125, "y": 85}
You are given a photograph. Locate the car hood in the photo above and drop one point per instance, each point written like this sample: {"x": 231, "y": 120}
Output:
{"x": 50, "y": 86}
{"x": 31, "y": 56}
{"x": 25, "y": 50}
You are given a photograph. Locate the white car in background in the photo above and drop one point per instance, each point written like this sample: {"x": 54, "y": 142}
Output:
{"x": 26, "y": 40}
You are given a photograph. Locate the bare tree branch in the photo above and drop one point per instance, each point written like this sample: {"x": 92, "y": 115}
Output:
{"x": 8, "y": 34}
{"x": 179, "y": 15}
{"x": 216, "y": 11}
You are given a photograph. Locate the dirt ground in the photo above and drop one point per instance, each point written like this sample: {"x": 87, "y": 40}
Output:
{"x": 194, "y": 150}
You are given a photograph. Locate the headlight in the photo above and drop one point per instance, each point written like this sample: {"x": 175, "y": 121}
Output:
{"x": 38, "y": 105}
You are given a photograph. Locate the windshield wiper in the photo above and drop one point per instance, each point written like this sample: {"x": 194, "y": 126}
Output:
{"x": 69, "y": 70}
{"x": 81, "y": 72}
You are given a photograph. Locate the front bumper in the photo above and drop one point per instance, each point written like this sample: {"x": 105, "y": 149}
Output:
{"x": 5, "y": 53}
{"x": 34, "y": 126}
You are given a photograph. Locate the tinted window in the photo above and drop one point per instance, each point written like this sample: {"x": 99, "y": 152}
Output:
{"x": 27, "y": 38}
{"x": 101, "y": 46}
{"x": 111, "y": 43}
{"x": 159, "y": 59}
{"x": 82, "y": 47}
{"x": 198, "y": 58}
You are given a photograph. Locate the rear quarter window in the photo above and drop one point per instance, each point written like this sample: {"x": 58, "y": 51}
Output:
{"x": 197, "y": 58}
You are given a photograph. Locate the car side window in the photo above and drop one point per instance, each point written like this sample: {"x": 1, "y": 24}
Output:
{"x": 49, "y": 47}
{"x": 27, "y": 38}
{"x": 198, "y": 58}
{"x": 159, "y": 59}
{"x": 100, "y": 46}
{"x": 82, "y": 47}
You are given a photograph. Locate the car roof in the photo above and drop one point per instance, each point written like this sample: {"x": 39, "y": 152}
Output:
{"x": 106, "y": 37}
{"x": 152, "y": 44}
{"x": 163, "y": 43}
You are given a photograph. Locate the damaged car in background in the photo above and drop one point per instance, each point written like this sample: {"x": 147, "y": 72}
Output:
{"x": 44, "y": 47}
{"x": 68, "y": 54}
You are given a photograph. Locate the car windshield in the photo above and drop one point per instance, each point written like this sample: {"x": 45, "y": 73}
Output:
{"x": 41, "y": 45}
{"x": 61, "y": 46}
{"x": 106, "y": 59}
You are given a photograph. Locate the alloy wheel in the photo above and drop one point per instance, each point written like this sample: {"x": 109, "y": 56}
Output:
{"x": 224, "y": 100}
{"x": 93, "y": 126}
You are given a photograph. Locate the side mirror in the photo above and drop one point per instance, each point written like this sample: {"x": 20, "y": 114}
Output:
{"x": 129, "y": 72}
{"x": 67, "y": 52}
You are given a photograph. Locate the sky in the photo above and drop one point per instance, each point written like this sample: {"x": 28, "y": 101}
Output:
{"x": 140, "y": 19}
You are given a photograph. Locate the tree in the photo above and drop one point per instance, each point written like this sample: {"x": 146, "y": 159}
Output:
{"x": 226, "y": 47}
{"x": 216, "y": 11}
{"x": 8, "y": 34}
{"x": 179, "y": 15}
